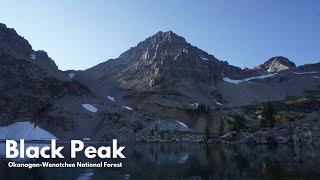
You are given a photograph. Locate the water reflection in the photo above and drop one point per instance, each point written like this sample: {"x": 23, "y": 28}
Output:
{"x": 86, "y": 175}
{"x": 189, "y": 161}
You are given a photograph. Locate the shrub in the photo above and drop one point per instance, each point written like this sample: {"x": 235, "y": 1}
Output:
{"x": 202, "y": 108}
{"x": 221, "y": 128}
{"x": 162, "y": 135}
{"x": 239, "y": 122}
{"x": 268, "y": 114}
{"x": 207, "y": 133}
{"x": 283, "y": 118}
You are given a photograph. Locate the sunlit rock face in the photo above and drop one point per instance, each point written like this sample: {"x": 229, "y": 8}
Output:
{"x": 166, "y": 58}
{"x": 276, "y": 64}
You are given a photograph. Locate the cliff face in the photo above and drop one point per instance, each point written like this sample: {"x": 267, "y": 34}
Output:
{"x": 13, "y": 44}
{"x": 17, "y": 47}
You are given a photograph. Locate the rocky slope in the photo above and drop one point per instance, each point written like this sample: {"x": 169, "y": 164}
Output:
{"x": 163, "y": 59}
{"x": 163, "y": 89}
{"x": 33, "y": 89}
{"x": 166, "y": 75}
{"x": 271, "y": 87}
{"x": 29, "y": 94}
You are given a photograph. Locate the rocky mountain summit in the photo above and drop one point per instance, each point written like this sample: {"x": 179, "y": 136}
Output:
{"x": 276, "y": 64}
{"x": 162, "y": 59}
{"x": 163, "y": 89}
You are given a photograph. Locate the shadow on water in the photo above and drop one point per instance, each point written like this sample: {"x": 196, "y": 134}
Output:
{"x": 186, "y": 161}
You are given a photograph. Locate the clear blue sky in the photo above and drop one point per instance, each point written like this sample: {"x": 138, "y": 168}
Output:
{"x": 79, "y": 34}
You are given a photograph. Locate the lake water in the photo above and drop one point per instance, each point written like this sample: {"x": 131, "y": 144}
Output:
{"x": 185, "y": 161}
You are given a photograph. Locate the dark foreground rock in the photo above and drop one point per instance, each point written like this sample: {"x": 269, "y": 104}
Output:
{"x": 303, "y": 131}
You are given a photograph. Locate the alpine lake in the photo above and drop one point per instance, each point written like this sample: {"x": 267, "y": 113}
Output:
{"x": 172, "y": 161}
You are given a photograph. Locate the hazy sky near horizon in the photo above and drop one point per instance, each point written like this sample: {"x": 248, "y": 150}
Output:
{"x": 80, "y": 34}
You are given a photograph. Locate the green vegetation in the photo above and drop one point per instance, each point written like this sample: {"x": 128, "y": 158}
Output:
{"x": 250, "y": 108}
{"x": 313, "y": 94}
{"x": 295, "y": 100}
{"x": 290, "y": 109}
{"x": 202, "y": 108}
{"x": 239, "y": 122}
{"x": 162, "y": 135}
{"x": 283, "y": 118}
{"x": 221, "y": 128}
{"x": 268, "y": 113}
{"x": 207, "y": 133}
{"x": 310, "y": 95}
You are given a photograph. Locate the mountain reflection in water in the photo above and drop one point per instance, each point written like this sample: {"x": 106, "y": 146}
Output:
{"x": 186, "y": 161}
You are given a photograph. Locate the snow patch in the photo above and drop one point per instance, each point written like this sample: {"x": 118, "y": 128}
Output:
{"x": 182, "y": 124}
{"x": 71, "y": 75}
{"x": 261, "y": 77}
{"x": 219, "y": 103}
{"x": 317, "y": 77}
{"x": 301, "y": 73}
{"x": 111, "y": 98}
{"x": 226, "y": 79}
{"x": 203, "y": 58}
{"x": 33, "y": 56}
{"x": 86, "y": 139}
{"x": 195, "y": 104}
{"x": 128, "y": 108}
{"x": 229, "y": 134}
{"x": 25, "y": 130}
{"x": 90, "y": 108}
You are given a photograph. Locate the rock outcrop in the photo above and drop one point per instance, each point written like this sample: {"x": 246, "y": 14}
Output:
{"x": 14, "y": 45}
{"x": 276, "y": 64}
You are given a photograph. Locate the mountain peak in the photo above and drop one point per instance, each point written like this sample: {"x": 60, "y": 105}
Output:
{"x": 281, "y": 59}
{"x": 158, "y": 45}
{"x": 168, "y": 33}
{"x": 276, "y": 64}
{"x": 167, "y": 37}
